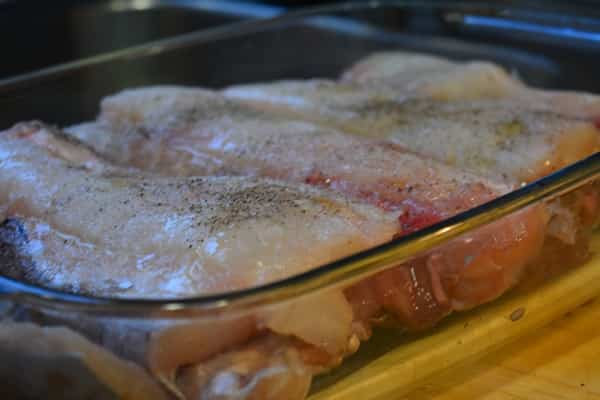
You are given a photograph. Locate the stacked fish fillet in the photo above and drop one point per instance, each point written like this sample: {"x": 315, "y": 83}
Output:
{"x": 176, "y": 192}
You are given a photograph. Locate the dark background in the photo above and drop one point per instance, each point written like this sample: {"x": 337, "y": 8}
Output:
{"x": 42, "y": 33}
{"x": 36, "y": 34}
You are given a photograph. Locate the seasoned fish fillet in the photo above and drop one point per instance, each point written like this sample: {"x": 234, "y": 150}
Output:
{"x": 197, "y": 225}
{"x": 518, "y": 138}
{"x": 437, "y": 78}
{"x": 212, "y": 135}
{"x": 497, "y": 138}
{"x": 42, "y": 362}
{"x": 431, "y": 76}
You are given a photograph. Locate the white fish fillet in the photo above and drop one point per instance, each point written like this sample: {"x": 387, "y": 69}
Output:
{"x": 194, "y": 235}
{"x": 432, "y": 76}
{"x": 499, "y": 138}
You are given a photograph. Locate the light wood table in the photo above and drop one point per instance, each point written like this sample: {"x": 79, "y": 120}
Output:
{"x": 559, "y": 361}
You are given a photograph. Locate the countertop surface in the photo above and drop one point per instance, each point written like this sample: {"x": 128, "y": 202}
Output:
{"x": 559, "y": 361}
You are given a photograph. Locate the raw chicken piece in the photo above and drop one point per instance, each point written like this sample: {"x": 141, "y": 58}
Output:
{"x": 58, "y": 363}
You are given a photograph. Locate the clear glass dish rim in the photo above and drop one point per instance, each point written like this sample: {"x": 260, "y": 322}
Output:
{"x": 338, "y": 272}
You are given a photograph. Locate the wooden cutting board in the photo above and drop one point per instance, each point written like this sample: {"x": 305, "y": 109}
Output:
{"x": 559, "y": 361}
{"x": 540, "y": 345}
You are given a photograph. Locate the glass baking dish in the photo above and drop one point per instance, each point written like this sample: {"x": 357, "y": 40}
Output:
{"x": 544, "y": 46}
